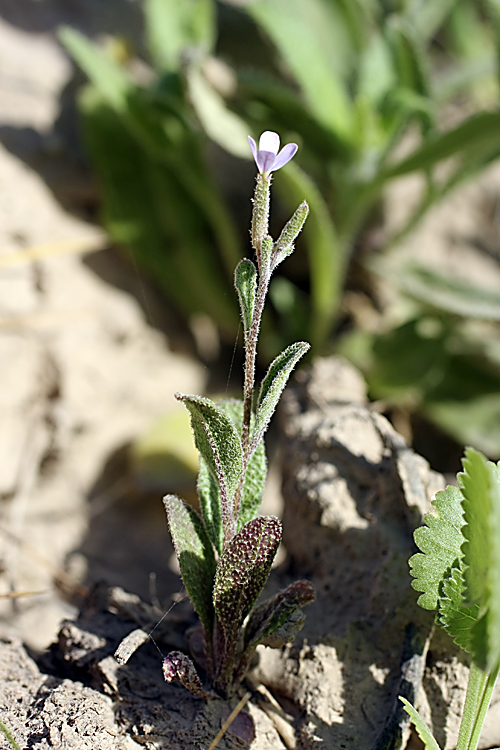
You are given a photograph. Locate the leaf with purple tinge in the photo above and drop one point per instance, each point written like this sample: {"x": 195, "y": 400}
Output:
{"x": 243, "y": 570}
{"x": 273, "y": 614}
{"x": 195, "y": 554}
{"x": 178, "y": 666}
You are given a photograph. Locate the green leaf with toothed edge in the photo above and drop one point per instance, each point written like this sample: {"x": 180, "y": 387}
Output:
{"x": 439, "y": 541}
{"x": 243, "y": 570}
{"x": 423, "y": 730}
{"x": 219, "y": 445}
{"x": 456, "y": 619}
{"x": 245, "y": 281}
{"x": 195, "y": 555}
{"x": 253, "y": 488}
{"x": 273, "y": 385}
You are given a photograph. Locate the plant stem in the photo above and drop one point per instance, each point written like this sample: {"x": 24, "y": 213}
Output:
{"x": 482, "y": 708}
{"x": 473, "y": 700}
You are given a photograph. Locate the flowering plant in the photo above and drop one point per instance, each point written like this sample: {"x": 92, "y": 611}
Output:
{"x": 226, "y": 554}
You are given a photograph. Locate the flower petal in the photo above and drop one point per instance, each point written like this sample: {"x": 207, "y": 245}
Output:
{"x": 269, "y": 141}
{"x": 284, "y": 156}
{"x": 265, "y": 161}
{"x": 253, "y": 146}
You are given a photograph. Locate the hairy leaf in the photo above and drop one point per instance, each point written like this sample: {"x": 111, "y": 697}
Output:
{"x": 272, "y": 614}
{"x": 208, "y": 492}
{"x": 195, "y": 555}
{"x": 242, "y": 571}
{"x": 440, "y": 542}
{"x": 178, "y": 666}
{"x": 480, "y": 485}
{"x": 457, "y": 619}
{"x": 219, "y": 444}
{"x": 289, "y": 233}
{"x": 245, "y": 281}
{"x": 423, "y": 730}
{"x": 273, "y": 385}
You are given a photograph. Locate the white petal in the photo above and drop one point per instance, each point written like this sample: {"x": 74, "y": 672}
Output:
{"x": 269, "y": 141}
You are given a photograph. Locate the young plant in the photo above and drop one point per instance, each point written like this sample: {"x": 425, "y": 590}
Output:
{"x": 226, "y": 554}
{"x": 458, "y": 573}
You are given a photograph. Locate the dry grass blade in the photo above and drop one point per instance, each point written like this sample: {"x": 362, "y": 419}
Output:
{"x": 232, "y": 716}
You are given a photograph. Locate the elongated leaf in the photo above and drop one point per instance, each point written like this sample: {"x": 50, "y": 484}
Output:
{"x": 178, "y": 666}
{"x": 195, "y": 555}
{"x": 174, "y": 27}
{"x": 440, "y": 542}
{"x": 242, "y": 571}
{"x": 273, "y": 385}
{"x": 482, "y": 130}
{"x": 219, "y": 444}
{"x": 272, "y": 614}
{"x": 106, "y": 75}
{"x": 221, "y": 125}
{"x": 480, "y": 485}
{"x": 423, "y": 730}
{"x": 253, "y": 488}
{"x": 245, "y": 281}
{"x": 289, "y": 233}
{"x": 303, "y": 34}
{"x": 208, "y": 492}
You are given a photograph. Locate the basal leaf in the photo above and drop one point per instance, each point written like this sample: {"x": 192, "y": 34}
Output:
{"x": 195, "y": 554}
{"x": 457, "y": 620}
{"x": 178, "y": 666}
{"x": 242, "y": 571}
{"x": 245, "y": 281}
{"x": 208, "y": 492}
{"x": 440, "y": 542}
{"x": 219, "y": 444}
{"x": 273, "y": 385}
{"x": 255, "y": 477}
{"x": 480, "y": 485}
{"x": 272, "y": 614}
{"x": 423, "y": 730}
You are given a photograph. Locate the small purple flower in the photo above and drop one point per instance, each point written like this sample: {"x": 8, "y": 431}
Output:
{"x": 266, "y": 157}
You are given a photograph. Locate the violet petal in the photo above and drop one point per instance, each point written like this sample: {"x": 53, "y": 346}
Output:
{"x": 265, "y": 161}
{"x": 284, "y": 156}
{"x": 253, "y": 146}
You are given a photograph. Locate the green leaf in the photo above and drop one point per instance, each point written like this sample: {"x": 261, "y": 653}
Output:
{"x": 303, "y": 34}
{"x": 440, "y": 542}
{"x": 210, "y": 504}
{"x": 443, "y": 292}
{"x": 174, "y": 28}
{"x": 106, "y": 75}
{"x": 457, "y": 620}
{"x": 273, "y": 385}
{"x": 218, "y": 442}
{"x": 481, "y": 130}
{"x": 220, "y": 124}
{"x": 195, "y": 555}
{"x": 272, "y": 614}
{"x": 243, "y": 570}
{"x": 245, "y": 281}
{"x": 423, "y": 730}
{"x": 289, "y": 233}
{"x": 480, "y": 485}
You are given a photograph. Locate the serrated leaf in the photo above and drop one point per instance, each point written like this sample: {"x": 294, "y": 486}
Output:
{"x": 423, "y": 730}
{"x": 178, "y": 666}
{"x": 195, "y": 555}
{"x": 245, "y": 281}
{"x": 219, "y": 444}
{"x": 457, "y": 620}
{"x": 440, "y": 542}
{"x": 272, "y": 614}
{"x": 243, "y": 570}
{"x": 480, "y": 485}
{"x": 273, "y": 385}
